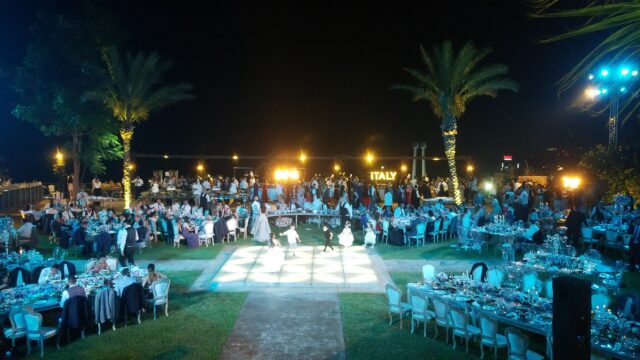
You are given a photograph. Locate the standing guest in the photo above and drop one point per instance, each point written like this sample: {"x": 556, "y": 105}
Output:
{"x": 388, "y": 198}
{"x": 328, "y": 235}
{"x": 72, "y": 290}
{"x": 370, "y": 236}
{"x": 138, "y": 183}
{"x": 126, "y": 239}
{"x": 260, "y": 229}
{"x": 345, "y": 238}
{"x": 49, "y": 274}
{"x": 72, "y": 194}
{"x": 96, "y": 187}
{"x": 292, "y": 238}
{"x": 196, "y": 188}
{"x": 634, "y": 247}
{"x": 574, "y": 222}
{"x": 124, "y": 281}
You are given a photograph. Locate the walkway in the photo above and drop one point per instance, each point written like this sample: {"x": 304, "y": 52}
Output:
{"x": 440, "y": 265}
{"x": 287, "y": 325}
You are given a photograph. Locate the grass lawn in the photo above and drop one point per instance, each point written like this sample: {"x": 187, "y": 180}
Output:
{"x": 440, "y": 251}
{"x": 196, "y": 328}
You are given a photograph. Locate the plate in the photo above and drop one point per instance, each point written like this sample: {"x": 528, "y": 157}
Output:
{"x": 439, "y": 292}
{"x": 462, "y": 298}
{"x": 489, "y": 307}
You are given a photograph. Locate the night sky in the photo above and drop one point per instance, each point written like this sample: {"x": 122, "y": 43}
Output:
{"x": 272, "y": 77}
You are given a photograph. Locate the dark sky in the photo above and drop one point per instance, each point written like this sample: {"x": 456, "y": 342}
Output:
{"x": 272, "y": 77}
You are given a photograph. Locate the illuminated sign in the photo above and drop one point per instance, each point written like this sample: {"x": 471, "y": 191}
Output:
{"x": 383, "y": 175}
{"x": 507, "y": 157}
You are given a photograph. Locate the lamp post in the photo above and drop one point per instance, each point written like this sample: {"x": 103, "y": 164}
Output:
{"x": 571, "y": 183}
{"x": 615, "y": 85}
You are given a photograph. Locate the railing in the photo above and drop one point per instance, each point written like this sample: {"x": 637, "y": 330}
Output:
{"x": 19, "y": 195}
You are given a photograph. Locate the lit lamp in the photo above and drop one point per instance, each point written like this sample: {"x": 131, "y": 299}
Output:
{"x": 131, "y": 166}
{"x": 235, "y": 157}
{"x": 488, "y": 186}
{"x": 336, "y": 168}
{"x": 571, "y": 182}
{"x": 303, "y": 157}
{"x": 200, "y": 167}
{"x": 369, "y": 157}
{"x": 165, "y": 156}
{"x": 403, "y": 168}
{"x": 470, "y": 168}
{"x": 59, "y": 157}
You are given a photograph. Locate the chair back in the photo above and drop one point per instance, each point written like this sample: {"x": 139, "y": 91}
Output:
{"x": 600, "y": 301}
{"x": 35, "y": 275}
{"x": 488, "y": 328}
{"x": 441, "y": 310}
{"x": 208, "y": 228}
{"x": 445, "y": 226}
{"x": 460, "y": 319}
{"x": 453, "y": 225}
{"x": 529, "y": 281}
{"x": 587, "y": 232}
{"x": 421, "y": 228}
{"x": 436, "y": 225}
{"x": 428, "y": 272}
{"x": 611, "y": 237}
{"x": 517, "y": 343}
{"x": 548, "y": 289}
{"x": 232, "y": 224}
{"x": 16, "y": 317}
{"x": 112, "y": 263}
{"x": 419, "y": 304}
{"x": 160, "y": 289}
{"x": 33, "y": 324}
{"x": 495, "y": 277}
{"x": 393, "y": 295}
{"x": 385, "y": 226}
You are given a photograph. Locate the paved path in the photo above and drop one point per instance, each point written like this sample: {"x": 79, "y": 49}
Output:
{"x": 287, "y": 325}
{"x": 440, "y": 265}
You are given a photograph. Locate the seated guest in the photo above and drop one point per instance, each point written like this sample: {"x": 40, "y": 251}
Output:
{"x": 24, "y": 231}
{"x": 124, "y": 281}
{"x": 399, "y": 211}
{"x": 152, "y": 276}
{"x": 98, "y": 265}
{"x": 4, "y": 284}
{"x": 79, "y": 236}
{"x": 316, "y": 205}
{"x": 49, "y": 274}
{"x": 72, "y": 290}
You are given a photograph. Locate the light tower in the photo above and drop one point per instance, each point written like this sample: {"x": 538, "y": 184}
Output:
{"x": 423, "y": 147}
{"x": 415, "y": 153}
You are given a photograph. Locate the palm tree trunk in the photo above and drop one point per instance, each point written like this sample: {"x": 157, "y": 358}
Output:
{"x": 126, "y": 133}
{"x": 449, "y": 132}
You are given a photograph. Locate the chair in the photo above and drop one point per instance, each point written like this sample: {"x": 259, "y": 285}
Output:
{"x": 18, "y": 328}
{"x": 419, "y": 236}
{"x": 489, "y": 335}
{"x": 394, "y": 303}
{"x": 104, "y": 308}
{"x": 160, "y": 290}
{"x": 445, "y": 229}
{"x": 19, "y": 276}
{"x": 75, "y": 315}
{"x": 112, "y": 263}
{"x": 442, "y": 317}
{"x": 435, "y": 233}
{"x": 453, "y": 227}
{"x": 153, "y": 224}
{"x": 420, "y": 312}
{"x": 548, "y": 289}
{"x": 385, "y": 231}
{"x": 35, "y": 274}
{"x": 599, "y": 301}
{"x": 243, "y": 229}
{"x": 207, "y": 237}
{"x": 626, "y": 239}
{"x": 37, "y": 332}
{"x": 479, "y": 272}
{"x": 461, "y": 327}
{"x": 428, "y": 272}
{"x": 232, "y": 226}
{"x": 131, "y": 302}
{"x": 518, "y": 346}
{"x": 495, "y": 277}
{"x": 529, "y": 282}
{"x": 587, "y": 237}
{"x": 611, "y": 239}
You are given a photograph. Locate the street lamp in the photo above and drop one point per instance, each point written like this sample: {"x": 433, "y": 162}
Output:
{"x": 200, "y": 167}
{"x": 370, "y": 157}
{"x": 235, "y": 157}
{"x": 613, "y": 84}
{"x": 336, "y": 168}
{"x": 469, "y": 168}
{"x": 403, "y": 168}
{"x": 303, "y": 157}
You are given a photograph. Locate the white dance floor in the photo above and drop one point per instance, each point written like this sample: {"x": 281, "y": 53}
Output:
{"x": 254, "y": 266}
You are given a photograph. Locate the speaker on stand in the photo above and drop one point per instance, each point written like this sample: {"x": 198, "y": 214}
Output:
{"x": 571, "y": 318}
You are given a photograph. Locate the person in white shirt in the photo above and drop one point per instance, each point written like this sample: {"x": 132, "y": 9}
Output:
{"x": 523, "y": 199}
{"x": 233, "y": 188}
{"x": 292, "y": 238}
{"x": 206, "y": 185}
{"x": 399, "y": 211}
{"x": 197, "y": 191}
{"x": 138, "y": 183}
{"x": 186, "y": 209}
{"x": 124, "y": 281}
{"x": 316, "y": 206}
{"x": 49, "y": 274}
{"x": 25, "y": 230}
{"x": 243, "y": 184}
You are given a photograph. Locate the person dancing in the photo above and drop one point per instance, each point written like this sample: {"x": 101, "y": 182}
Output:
{"x": 345, "y": 238}
{"x": 292, "y": 238}
{"x": 328, "y": 235}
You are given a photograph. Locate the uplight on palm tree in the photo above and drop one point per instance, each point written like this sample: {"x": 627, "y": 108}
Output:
{"x": 449, "y": 82}
{"x": 132, "y": 90}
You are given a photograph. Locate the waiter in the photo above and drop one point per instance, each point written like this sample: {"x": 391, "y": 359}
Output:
{"x": 127, "y": 238}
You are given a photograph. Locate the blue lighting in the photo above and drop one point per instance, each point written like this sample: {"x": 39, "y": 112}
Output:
{"x": 604, "y": 72}
{"x": 623, "y": 89}
{"x": 624, "y": 72}
{"x": 604, "y": 91}
{"x": 590, "y": 76}
{"x": 634, "y": 73}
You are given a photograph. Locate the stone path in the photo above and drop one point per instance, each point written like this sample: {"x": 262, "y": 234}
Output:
{"x": 287, "y": 325}
{"x": 440, "y": 265}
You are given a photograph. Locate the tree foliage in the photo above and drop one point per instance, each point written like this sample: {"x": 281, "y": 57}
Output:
{"x": 617, "y": 167}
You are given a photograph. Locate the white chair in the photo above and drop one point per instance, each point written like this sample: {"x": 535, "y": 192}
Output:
{"x": 232, "y": 226}
{"x": 587, "y": 237}
{"x": 489, "y": 336}
{"x": 611, "y": 239}
{"x": 419, "y": 236}
{"x": 37, "y": 332}
{"x": 442, "y": 317}
{"x": 385, "y": 231}
{"x": 548, "y": 289}
{"x": 18, "y": 328}
{"x": 395, "y": 305}
{"x": 428, "y": 272}
{"x": 445, "y": 230}
{"x": 243, "y": 230}
{"x": 495, "y": 277}
{"x": 435, "y": 234}
{"x": 177, "y": 239}
{"x": 160, "y": 290}
{"x": 476, "y": 275}
{"x": 529, "y": 282}
{"x": 207, "y": 236}
{"x": 600, "y": 301}
{"x": 420, "y": 312}
{"x": 518, "y": 345}
{"x": 461, "y": 327}
{"x": 112, "y": 263}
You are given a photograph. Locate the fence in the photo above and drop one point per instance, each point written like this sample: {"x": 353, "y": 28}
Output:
{"x": 19, "y": 195}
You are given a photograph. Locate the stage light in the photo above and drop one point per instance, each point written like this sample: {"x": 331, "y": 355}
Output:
{"x": 59, "y": 156}
{"x": 488, "y": 186}
{"x": 624, "y": 72}
{"x": 200, "y": 167}
{"x": 235, "y": 157}
{"x": 604, "y": 72}
{"x": 436, "y": 159}
{"x": 469, "y": 168}
{"x": 382, "y": 167}
{"x": 623, "y": 89}
{"x": 592, "y": 92}
{"x": 369, "y": 157}
{"x": 590, "y": 76}
{"x": 571, "y": 182}
{"x": 604, "y": 91}
{"x": 303, "y": 157}
{"x": 634, "y": 73}
{"x": 336, "y": 167}
{"x": 166, "y": 156}
{"x": 403, "y": 168}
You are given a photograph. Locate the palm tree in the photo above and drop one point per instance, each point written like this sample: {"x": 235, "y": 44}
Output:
{"x": 450, "y": 82}
{"x": 132, "y": 90}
